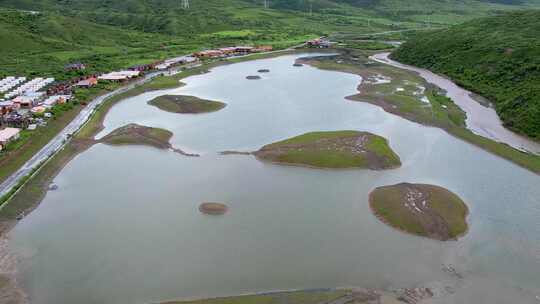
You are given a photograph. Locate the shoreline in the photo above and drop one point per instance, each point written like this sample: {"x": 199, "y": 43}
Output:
{"x": 526, "y": 160}
{"x": 32, "y": 192}
{"x": 474, "y": 124}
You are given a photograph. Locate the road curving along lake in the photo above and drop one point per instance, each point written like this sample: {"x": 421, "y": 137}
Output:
{"x": 481, "y": 119}
{"x": 124, "y": 224}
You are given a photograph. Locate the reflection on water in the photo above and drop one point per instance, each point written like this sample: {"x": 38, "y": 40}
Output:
{"x": 124, "y": 227}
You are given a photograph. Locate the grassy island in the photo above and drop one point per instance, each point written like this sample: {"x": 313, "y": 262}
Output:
{"x": 420, "y": 209}
{"x": 186, "y": 104}
{"x": 134, "y": 134}
{"x": 335, "y": 149}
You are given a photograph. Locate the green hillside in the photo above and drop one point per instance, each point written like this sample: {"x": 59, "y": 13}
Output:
{"x": 41, "y": 36}
{"x": 498, "y": 57}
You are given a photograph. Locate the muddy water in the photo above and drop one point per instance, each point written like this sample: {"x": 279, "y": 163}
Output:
{"x": 481, "y": 120}
{"x": 124, "y": 225}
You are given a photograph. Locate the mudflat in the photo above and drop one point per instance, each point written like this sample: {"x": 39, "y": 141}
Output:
{"x": 213, "y": 208}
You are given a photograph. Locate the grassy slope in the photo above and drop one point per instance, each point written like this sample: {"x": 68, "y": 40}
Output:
{"x": 186, "y": 104}
{"x": 112, "y": 34}
{"x": 333, "y": 158}
{"x": 388, "y": 203}
{"x": 498, "y": 57}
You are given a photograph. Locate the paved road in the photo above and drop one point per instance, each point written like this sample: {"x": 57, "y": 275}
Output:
{"x": 58, "y": 141}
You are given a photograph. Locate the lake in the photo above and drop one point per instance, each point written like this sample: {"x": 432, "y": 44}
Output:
{"x": 124, "y": 225}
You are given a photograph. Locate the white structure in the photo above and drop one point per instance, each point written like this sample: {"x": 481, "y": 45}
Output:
{"x": 8, "y": 134}
{"x": 121, "y": 75}
{"x": 14, "y": 90}
{"x": 178, "y": 60}
{"x": 53, "y": 100}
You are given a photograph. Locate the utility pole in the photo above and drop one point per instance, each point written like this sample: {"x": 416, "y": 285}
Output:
{"x": 185, "y": 4}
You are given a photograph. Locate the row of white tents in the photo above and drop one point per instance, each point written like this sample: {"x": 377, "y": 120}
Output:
{"x": 17, "y": 86}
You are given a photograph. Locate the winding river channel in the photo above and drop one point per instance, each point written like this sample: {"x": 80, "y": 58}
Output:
{"x": 124, "y": 227}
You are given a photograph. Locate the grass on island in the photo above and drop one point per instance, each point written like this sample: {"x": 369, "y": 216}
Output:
{"x": 335, "y": 149}
{"x": 403, "y": 95}
{"x": 293, "y": 297}
{"x": 186, "y": 104}
{"x": 420, "y": 209}
{"x": 134, "y": 134}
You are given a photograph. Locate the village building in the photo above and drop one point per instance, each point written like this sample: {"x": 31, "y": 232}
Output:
{"x": 319, "y": 43}
{"x": 17, "y": 119}
{"x": 38, "y": 109}
{"x": 8, "y": 135}
{"x": 8, "y": 106}
{"x": 244, "y": 49}
{"x": 263, "y": 48}
{"x": 77, "y": 66}
{"x": 178, "y": 60}
{"x": 119, "y": 76}
{"x": 55, "y": 99}
{"x": 228, "y": 50}
{"x": 87, "y": 83}
{"x": 24, "y": 102}
{"x": 208, "y": 54}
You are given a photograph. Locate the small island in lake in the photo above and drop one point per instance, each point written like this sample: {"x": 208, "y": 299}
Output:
{"x": 253, "y": 77}
{"x": 185, "y": 104}
{"x": 420, "y": 209}
{"x": 263, "y": 71}
{"x": 134, "y": 134}
{"x": 213, "y": 208}
{"x": 334, "y": 149}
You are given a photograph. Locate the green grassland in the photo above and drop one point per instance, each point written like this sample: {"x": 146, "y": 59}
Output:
{"x": 332, "y": 150}
{"x": 393, "y": 206}
{"x": 497, "y": 57}
{"x": 38, "y": 37}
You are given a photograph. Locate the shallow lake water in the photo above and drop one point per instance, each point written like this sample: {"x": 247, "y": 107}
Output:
{"x": 124, "y": 225}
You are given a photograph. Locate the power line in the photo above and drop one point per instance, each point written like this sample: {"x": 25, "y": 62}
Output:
{"x": 185, "y": 4}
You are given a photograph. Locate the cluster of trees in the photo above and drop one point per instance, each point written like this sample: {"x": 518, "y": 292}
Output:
{"x": 497, "y": 57}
